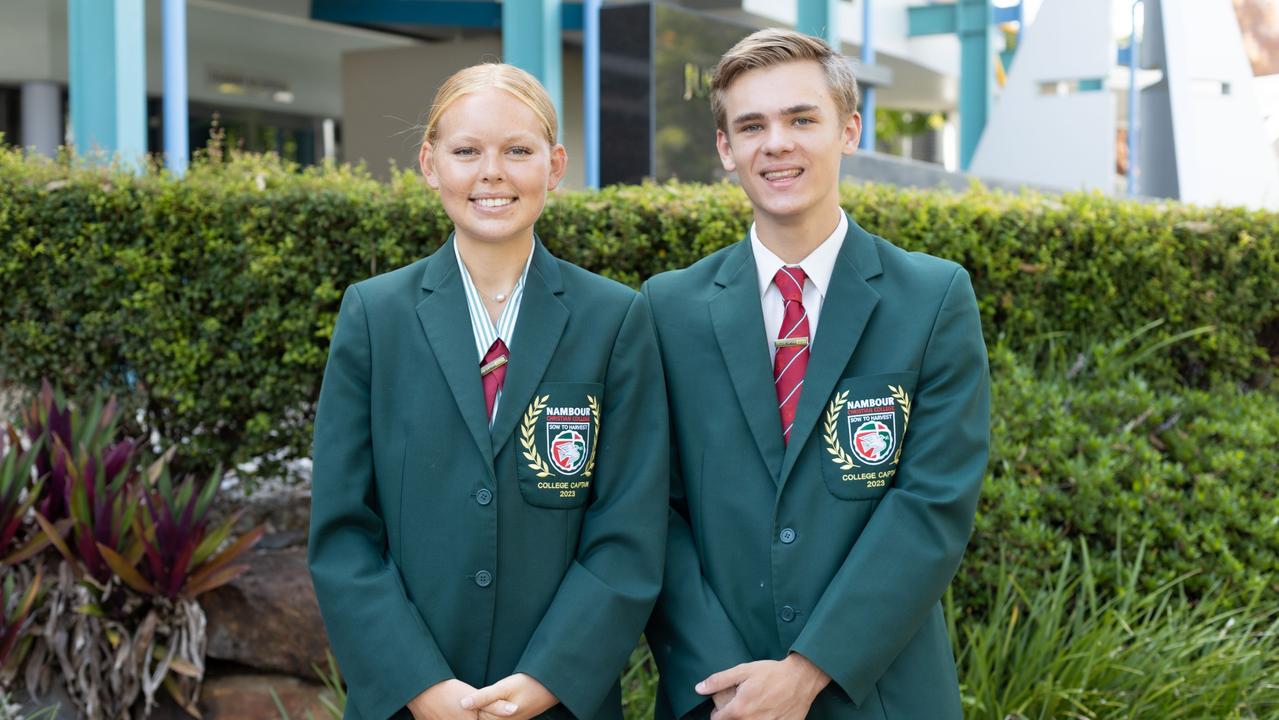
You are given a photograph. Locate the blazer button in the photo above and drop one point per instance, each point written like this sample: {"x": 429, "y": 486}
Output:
{"x": 484, "y": 578}
{"x": 788, "y": 613}
{"x": 484, "y": 496}
{"x": 787, "y": 535}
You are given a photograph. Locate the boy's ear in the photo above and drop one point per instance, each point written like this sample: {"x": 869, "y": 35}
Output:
{"x": 725, "y": 151}
{"x": 852, "y": 133}
{"x": 424, "y": 162}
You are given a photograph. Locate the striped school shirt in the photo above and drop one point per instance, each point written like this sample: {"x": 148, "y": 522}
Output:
{"x": 482, "y": 327}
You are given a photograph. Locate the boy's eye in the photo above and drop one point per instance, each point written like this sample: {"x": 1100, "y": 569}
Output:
{"x": 753, "y": 127}
{"x": 803, "y": 121}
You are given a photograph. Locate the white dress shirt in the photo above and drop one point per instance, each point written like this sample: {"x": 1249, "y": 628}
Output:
{"x": 818, "y": 266}
{"x": 486, "y": 333}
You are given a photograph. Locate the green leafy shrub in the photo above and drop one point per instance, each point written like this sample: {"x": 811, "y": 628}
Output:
{"x": 207, "y": 303}
{"x": 1112, "y": 462}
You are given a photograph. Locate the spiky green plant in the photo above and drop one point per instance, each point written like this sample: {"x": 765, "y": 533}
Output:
{"x": 16, "y": 606}
{"x": 1069, "y": 651}
{"x": 18, "y": 493}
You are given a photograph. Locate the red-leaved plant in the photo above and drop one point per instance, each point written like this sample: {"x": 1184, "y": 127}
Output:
{"x": 95, "y": 476}
{"x": 181, "y": 550}
{"x": 49, "y": 417}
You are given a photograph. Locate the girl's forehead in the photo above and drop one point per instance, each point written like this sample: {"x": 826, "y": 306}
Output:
{"x": 489, "y": 112}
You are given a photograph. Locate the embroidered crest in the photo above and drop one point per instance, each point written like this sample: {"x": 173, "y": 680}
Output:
{"x": 872, "y": 428}
{"x": 873, "y": 440}
{"x": 570, "y": 433}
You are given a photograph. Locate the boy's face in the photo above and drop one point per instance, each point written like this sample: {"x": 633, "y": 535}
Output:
{"x": 785, "y": 140}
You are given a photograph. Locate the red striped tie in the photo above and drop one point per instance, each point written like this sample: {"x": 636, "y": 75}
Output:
{"x": 792, "y": 346}
{"x": 492, "y": 373}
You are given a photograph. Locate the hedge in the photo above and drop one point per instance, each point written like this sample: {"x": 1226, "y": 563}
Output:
{"x": 1189, "y": 475}
{"x": 212, "y": 298}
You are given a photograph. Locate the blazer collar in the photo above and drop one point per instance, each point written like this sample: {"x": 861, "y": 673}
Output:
{"x": 446, "y": 321}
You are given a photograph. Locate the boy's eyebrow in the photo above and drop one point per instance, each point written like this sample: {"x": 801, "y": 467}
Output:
{"x": 792, "y": 110}
{"x": 800, "y": 109}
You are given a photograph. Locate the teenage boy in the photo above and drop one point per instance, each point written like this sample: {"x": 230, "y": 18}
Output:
{"x": 829, "y": 398}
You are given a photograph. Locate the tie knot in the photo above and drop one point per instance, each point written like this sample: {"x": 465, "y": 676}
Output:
{"x": 790, "y": 280}
{"x": 496, "y": 350}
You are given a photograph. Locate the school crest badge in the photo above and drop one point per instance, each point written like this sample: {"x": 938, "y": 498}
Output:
{"x": 871, "y": 435}
{"x": 570, "y": 435}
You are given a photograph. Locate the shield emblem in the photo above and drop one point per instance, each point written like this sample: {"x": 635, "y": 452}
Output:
{"x": 568, "y": 442}
{"x": 873, "y": 436}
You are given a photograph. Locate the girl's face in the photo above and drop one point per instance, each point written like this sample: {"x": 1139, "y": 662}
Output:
{"x": 492, "y": 165}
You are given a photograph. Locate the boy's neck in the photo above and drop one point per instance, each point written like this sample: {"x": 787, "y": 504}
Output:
{"x": 794, "y": 238}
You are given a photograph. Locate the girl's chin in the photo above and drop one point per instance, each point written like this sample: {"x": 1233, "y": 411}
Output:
{"x": 495, "y": 232}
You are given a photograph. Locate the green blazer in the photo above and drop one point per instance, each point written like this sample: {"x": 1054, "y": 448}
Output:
{"x": 839, "y": 545}
{"x": 441, "y": 548}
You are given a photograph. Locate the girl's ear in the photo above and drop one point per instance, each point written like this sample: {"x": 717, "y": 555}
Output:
{"x": 425, "y": 161}
{"x": 559, "y": 165}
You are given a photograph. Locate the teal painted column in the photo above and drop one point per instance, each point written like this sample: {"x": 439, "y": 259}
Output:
{"x": 976, "y": 54}
{"x": 819, "y": 19}
{"x": 107, "y": 72}
{"x": 531, "y": 41}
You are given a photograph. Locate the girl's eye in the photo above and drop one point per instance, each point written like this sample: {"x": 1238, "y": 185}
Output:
{"x": 521, "y": 151}
{"x": 465, "y": 151}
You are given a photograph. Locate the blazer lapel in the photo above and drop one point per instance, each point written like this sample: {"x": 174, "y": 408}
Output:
{"x": 447, "y": 322}
{"x": 846, "y": 309}
{"x": 739, "y": 328}
{"x": 541, "y": 322}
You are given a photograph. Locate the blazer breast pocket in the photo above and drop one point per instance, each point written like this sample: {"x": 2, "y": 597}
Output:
{"x": 862, "y": 430}
{"x": 557, "y": 440}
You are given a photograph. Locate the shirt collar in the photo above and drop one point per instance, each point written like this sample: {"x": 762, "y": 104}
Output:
{"x": 818, "y": 266}
{"x": 484, "y": 329}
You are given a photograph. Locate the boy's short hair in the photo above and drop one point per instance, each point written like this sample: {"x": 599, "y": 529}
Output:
{"x": 774, "y": 46}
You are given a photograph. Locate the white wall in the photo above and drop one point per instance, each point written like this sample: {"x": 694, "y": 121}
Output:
{"x": 387, "y": 94}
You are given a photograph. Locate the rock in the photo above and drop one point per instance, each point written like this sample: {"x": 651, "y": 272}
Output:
{"x": 268, "y": 618}
{"x": 248, "y": 697}
{"x": 280, "y": 506}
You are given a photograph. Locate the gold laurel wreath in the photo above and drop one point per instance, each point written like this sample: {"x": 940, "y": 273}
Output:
{"x": 535, "y": 461}
{"x": 595, "y": 440}
{"x": 838, "y": 456}
{"x": 903, "y": 398}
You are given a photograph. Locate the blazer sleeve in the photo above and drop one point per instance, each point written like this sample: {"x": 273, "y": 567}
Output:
{"x": 385, "y": 650}
{"x": 690, "y": 633}
{"x": 910, "y": 549}
{"x": 582, "y": 643}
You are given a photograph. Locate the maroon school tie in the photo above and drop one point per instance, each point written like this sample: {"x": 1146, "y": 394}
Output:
{"x": 792, "y": 346}
{"x": 492, "y": 373}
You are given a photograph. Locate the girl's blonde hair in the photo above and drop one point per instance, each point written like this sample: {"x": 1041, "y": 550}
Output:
{"x": 517, "y": 82}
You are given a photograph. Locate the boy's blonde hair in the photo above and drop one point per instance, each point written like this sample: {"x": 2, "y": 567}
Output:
{"x": 774, "y": 46}
{"x": 471, "y": 79}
